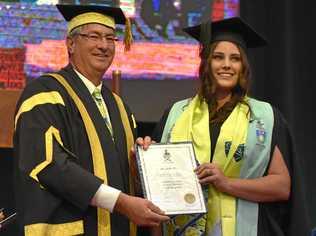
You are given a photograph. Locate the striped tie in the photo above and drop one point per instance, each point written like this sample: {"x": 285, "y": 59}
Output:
{"x": 102, "y": 108}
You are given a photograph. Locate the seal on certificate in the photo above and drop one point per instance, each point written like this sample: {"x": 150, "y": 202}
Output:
{"x": 189, "y": 198}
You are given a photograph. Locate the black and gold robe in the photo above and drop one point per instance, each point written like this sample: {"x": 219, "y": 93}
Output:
{"x": 54, "y": 168}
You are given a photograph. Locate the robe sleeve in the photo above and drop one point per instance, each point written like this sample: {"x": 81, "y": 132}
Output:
{"x": 40, "y": 146}
{"x": 298, "y": 221}
{"x": 290, "y": 217}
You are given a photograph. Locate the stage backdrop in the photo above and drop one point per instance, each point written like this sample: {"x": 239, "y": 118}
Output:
{"x": 163, "y": 58}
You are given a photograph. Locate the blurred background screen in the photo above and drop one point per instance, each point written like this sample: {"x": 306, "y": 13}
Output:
{"x": 32, "y": 37}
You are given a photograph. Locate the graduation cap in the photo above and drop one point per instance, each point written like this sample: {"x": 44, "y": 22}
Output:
{"x": 233, "y": 30}
{"x": 78, "y": 15}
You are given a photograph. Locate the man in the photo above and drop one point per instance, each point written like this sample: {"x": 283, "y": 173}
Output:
{"x": 73, "y": 138}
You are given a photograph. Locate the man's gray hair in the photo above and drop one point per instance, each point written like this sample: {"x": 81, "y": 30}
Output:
{"x": 75, "y": 32}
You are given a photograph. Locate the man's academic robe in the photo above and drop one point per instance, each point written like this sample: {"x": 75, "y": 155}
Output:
{"x": 53, "y": 166}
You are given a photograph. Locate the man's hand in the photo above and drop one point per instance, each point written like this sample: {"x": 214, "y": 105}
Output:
{"x": 140, "y": 211}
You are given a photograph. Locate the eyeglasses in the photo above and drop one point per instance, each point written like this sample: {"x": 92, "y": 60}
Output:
{"x": 93, "y": 37}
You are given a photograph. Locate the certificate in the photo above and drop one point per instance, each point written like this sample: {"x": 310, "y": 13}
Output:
{"x": 168, "y": 178}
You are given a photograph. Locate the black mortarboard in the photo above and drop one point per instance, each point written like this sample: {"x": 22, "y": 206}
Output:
{"x": 70, "y": 11}
{"x": 233, "y": 29}
{"x": 78, "y": 15}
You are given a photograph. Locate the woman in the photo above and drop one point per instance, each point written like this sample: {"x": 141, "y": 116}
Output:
{"x": 243, "y": 145}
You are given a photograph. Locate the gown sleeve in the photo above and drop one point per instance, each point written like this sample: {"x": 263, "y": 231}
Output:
{"x": 44, "y": 162}
{"x": 289, "y": 217}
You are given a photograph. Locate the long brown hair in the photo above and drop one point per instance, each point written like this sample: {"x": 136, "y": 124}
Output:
{"x": 208, "y": 87}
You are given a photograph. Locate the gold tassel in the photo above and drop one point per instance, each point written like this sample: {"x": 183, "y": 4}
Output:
{"x": 128, "y": 37}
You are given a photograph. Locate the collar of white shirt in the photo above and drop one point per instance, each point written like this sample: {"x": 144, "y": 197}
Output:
{"x": 90, "y": 86}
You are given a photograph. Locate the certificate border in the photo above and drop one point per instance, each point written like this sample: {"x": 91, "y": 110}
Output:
{"x": 145, "y": 183}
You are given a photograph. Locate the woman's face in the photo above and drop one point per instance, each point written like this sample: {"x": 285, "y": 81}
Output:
{"x": 226, "y": 66}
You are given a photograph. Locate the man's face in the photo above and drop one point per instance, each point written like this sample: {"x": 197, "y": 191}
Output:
{"x": 92, "y": 50}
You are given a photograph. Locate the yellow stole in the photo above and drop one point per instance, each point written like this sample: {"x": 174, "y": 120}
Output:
{"x": 193, "y": 125}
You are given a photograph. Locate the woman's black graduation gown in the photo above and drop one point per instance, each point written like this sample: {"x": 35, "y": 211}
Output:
{"x": 288, "y": 218}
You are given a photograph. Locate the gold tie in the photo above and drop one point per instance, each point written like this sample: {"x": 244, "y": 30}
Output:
{"x": 102, "y": 108}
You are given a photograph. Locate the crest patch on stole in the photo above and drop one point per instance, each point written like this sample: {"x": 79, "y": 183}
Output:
{"x": 239, "y": 154}
{"x": 260, "y": 132}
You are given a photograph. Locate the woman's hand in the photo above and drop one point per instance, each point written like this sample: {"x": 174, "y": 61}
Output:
{"x": 275, "y": 186}
{"x": 209, "y": 173}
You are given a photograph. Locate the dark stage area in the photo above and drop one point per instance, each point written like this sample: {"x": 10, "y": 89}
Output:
{"x": 6, "y": 195}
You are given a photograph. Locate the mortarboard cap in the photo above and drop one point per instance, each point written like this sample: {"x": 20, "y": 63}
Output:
{"x": 233, "y": 29}
{"x": 78, "y": 15}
